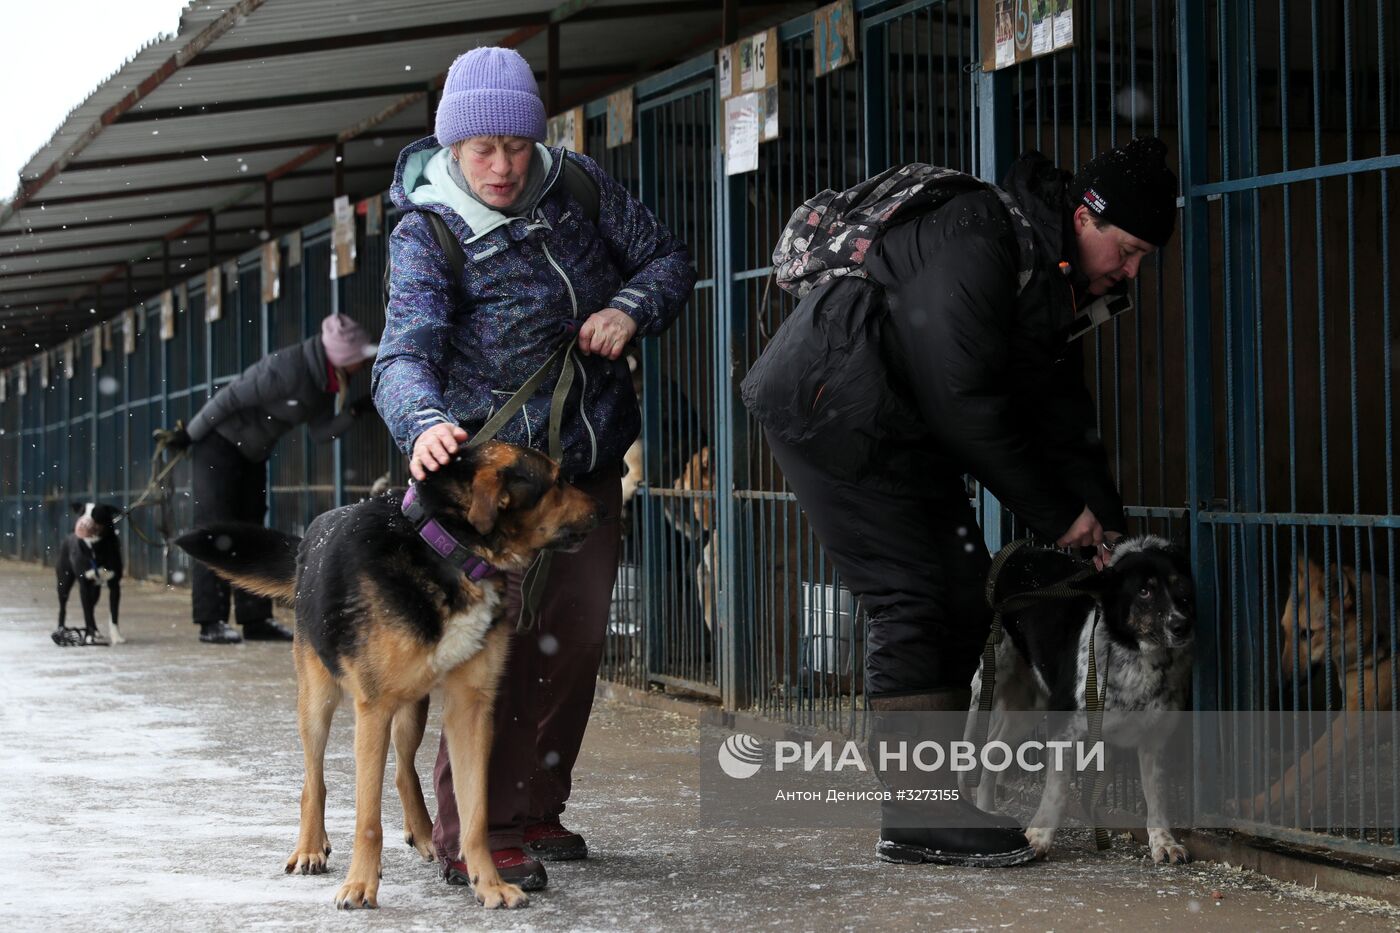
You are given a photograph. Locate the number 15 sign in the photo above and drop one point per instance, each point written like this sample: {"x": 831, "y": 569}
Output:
{"x": 834, "y": 37}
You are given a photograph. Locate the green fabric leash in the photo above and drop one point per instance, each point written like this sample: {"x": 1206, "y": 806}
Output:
{"x": 1093, "y": 696}
{"x": 533, "y": 581}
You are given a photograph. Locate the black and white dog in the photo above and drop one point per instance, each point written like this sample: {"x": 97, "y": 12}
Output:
{"x": 1142, "y": 650}
{"x": 90, "y": 557}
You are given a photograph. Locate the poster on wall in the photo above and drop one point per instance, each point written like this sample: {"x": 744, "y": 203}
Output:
{"x": 167, "y": 315}
{"x": 566, "y": 130}
{"x": 620, "y": 118}
{"x": 833, "y": 37}
{"x": 343, "y": 238}
{"x": 271, "y": 272}
{"x": 1015, "y": 31}
{"x": 213, "y": 295}
{"x": 741, "y": 129}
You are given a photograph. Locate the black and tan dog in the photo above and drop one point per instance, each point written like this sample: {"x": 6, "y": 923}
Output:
{"x": 396, "y": 595}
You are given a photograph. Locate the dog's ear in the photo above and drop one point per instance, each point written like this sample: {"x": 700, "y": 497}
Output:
{"x": 79, "y": 508}
{"x": 488, "y": 498}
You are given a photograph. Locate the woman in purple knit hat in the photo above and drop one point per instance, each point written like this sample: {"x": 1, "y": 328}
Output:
{"x": 553, "y": 247}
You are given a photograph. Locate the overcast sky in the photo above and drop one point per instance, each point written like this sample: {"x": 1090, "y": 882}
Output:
{"x": 55, "y": 55}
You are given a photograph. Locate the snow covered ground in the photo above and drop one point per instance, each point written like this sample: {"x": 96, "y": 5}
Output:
{"x": 154, "y": 787}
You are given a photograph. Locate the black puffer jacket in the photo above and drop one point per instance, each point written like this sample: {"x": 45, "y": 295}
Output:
{"x": 946, "y": 345}
{"x": 284, "y": 389}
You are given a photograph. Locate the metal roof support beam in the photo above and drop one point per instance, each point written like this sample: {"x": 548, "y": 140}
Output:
{"x": 729, "y": 21}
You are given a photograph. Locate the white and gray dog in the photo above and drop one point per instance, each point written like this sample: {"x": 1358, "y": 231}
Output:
{"x": 1143, "y": 657}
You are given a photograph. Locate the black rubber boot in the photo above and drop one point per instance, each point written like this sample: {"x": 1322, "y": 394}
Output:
{"x": 929, "y": 821}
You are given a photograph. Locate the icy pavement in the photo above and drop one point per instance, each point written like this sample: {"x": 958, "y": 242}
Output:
{"x": 154, "y": 787}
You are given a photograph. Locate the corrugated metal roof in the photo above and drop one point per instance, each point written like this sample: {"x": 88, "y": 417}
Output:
{"x": 156, "y": 147}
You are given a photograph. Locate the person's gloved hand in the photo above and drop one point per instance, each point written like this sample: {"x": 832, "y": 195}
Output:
{"x": 176, "y": 438}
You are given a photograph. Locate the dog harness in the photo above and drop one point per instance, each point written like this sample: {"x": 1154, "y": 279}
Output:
{"x": 1093, "y": 692}
{"x": 440, "y": 540}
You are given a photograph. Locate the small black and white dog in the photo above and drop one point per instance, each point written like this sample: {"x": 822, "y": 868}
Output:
{"x": 1142, "y": 651}
{"x": 90, "y": 557}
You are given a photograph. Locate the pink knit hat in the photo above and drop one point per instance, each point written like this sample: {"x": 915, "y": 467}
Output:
{"x": 345, "y": 341}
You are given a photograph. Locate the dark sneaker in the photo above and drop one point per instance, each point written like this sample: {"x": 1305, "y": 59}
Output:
{"x": 219, "y": 633}
{"x": 550, "y": 841}
{"x": 514, "y": 865}
{"x": 266, "y": 630}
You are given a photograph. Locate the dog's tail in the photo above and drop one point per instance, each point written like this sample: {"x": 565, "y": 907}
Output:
{"x": 258, "y": 559}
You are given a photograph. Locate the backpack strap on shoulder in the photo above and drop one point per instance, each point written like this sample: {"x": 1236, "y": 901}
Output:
{"x": 451, "y": 246}
{"x": 1025, "y": 240}
{"x": 582, "y": 188}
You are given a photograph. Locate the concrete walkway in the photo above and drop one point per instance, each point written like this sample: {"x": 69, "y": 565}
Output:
{"x": 154, "y": 787}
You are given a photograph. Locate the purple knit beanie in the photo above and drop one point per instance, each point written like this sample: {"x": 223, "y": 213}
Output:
{"x": 489, "y": 92}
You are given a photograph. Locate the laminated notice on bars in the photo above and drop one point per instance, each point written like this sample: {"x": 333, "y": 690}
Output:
{"x": 293, "y": 249}
{"x": 22, "y": 383}
{"x": 167, "y": 315}
{"x": 129, "y": 332}
{"x": 97, "y": 347}
{"x": 271, "y": 272}
{"x": 566, "y": 129}
{"x": 4, "y": 384}
{"x": 213, "y": 295}
{"x": 343, "y": 239}
{"x": 69, "y": 355}
{"x": 620, "y": 118}
{"x": 44, "y": 370}
{"x": 741, "y": 134}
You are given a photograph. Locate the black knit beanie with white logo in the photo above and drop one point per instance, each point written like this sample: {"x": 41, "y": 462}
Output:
{"x": 1131, "y": 188}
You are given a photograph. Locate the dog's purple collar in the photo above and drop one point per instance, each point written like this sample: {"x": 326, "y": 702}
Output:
{"x": 438, "y": 538}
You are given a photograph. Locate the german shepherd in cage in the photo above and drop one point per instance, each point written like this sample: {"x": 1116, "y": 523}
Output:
{"x": 1343, "y": 620}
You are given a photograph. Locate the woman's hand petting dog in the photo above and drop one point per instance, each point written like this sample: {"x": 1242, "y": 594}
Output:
{"x": 435, "y": 448}
{"x": 607, "y": 333}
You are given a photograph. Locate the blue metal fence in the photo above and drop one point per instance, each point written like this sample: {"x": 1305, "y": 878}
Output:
{"x": 1248, "y": 402}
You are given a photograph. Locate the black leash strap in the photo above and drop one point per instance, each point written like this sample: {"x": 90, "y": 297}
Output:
{"x": 533, "y": 581}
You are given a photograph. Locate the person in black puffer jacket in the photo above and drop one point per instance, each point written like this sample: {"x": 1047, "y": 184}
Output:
{"x": 964, "y": 324}
{"x": 232, "y": 436}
